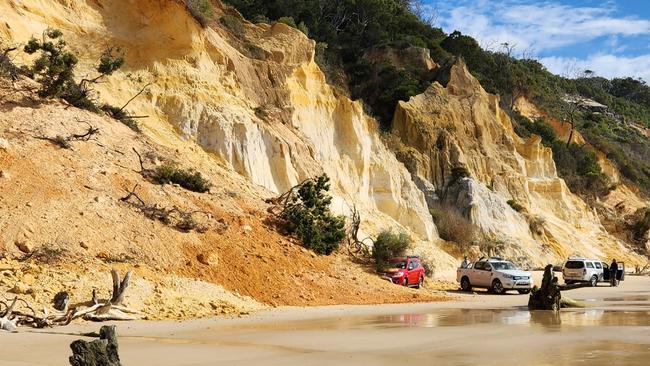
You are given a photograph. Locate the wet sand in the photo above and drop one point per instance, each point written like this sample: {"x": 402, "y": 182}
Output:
{"x": 478, "y": 329}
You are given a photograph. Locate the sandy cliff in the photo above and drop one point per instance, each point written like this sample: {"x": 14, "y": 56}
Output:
{"x": 461, "y": 126}
{"x": 250, "y": 110}
{"x": 247, "y": 106}
{"x": 271, "y": 118}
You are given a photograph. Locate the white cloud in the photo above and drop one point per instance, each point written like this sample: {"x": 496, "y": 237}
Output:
{"x": 606, "y": 65}
{"x": 542, "y": 25}
{"x": 548, "y": 26}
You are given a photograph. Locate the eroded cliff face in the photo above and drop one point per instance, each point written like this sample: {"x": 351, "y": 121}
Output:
{"x": 619, "y": 209}
{"x": 459, "y": 130}
{"x": 256, "y": 101}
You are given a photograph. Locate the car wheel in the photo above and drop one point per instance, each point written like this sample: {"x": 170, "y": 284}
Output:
{"x": 593, "y": 281}
{"x": 465, "y": 285}
{"x": 405, "y": 282}
{"x": 524, "y": 292}
{"x": 497, "y": 287}
{"x": 420, "y": 282}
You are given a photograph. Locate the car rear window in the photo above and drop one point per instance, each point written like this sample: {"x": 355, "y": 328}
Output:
{"x": 574, "y": 264}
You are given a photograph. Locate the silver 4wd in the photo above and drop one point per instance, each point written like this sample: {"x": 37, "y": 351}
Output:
{"x": 495, "y": 274}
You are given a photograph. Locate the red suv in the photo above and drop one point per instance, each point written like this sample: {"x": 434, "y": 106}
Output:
{"x": 405, "y": 271}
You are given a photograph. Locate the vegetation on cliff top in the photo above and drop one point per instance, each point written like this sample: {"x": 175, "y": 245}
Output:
{"x": 347, "y": 29}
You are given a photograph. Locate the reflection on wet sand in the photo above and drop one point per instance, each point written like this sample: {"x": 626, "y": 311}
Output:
{"x": 463, "y": 317}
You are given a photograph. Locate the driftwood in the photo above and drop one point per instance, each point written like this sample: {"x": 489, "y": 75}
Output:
{"x": 145, "y": 172}
{"x": 358, "y": 248}
{"x": 100, "y": 352}
{"x": 111, "y": 309}
{"x": 181, "y": 220}
{"x": 281, "y": 203}
{"x": 549, "y": 295}
{"x": 7, "y": 321}
{"x": 64, "y": 141}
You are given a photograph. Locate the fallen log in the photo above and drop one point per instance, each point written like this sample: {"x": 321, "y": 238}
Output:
{"x": 111, "y": 309}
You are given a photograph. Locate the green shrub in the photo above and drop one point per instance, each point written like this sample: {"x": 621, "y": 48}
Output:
{"x": 308, "y": 216}
{"x": 261, "y": 19}
{"x": 288, "y": 21}
{"x": 389, "y": 245}
{"x": 201, "y": 10}
{"x": 188, "y": 179}
{"x": 234, "y": 25}
{"x": 303, "y": 28}
{"x": 54, "y": 69}
{"x": 121, "y": 115}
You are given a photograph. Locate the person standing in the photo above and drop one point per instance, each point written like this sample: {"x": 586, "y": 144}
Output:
{"x": 465, "y": 263}
{"x": 613, "y": 270}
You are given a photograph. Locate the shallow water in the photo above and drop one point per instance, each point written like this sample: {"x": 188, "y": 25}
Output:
{"x": 611, "y": 331}
{"x": 465, "y": 317}
{"x": 486, "y": 330}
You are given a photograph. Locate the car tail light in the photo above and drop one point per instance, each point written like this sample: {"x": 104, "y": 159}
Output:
{"x": 584, "y": 272}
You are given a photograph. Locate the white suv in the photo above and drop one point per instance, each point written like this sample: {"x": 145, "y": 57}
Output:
{"x": 495, "y": 274}
{"x": 582, "y": 270}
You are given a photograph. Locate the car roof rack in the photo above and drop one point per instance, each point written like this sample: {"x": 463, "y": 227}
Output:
{"x": 413, "y": 256}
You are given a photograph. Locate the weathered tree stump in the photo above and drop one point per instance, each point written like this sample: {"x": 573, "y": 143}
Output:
{"x": 100, "y": 352}
{"x": 549, "y": 295}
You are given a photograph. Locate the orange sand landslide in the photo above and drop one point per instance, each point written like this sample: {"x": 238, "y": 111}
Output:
{"x": 63, "y": 227}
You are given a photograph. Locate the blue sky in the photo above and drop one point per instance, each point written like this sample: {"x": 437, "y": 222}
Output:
{"x": 611, "y": 38}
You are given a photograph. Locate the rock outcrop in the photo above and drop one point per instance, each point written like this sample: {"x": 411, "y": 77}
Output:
{"x": 460, "y": 128}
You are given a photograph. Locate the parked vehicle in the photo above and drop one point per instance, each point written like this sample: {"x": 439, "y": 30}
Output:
{"x": 405, "y": 271}
{"x": 495, "y": 274}
{"x": 585, "y": 270}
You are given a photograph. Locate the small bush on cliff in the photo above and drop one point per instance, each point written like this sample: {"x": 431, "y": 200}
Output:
{"x": 641, "y": 226}
{"x": 201, "y": 10}
{"x": 188, "y": 179}
{"x": 389, "y": 245}
{"x": 234, "y": 25}
{"x": 307, "y": 215}
{"x": 121, "y": 115}
{"x": 454, "y": 226}
{"x": 54, "y": 69}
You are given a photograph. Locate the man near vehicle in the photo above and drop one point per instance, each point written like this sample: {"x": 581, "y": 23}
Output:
{"x": 465, "y": 263}
{"x": 613, "y": 269}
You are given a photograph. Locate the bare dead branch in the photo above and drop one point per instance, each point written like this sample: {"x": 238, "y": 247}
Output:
{"x": 64, "y": 141}
{"x": 108, "y": 310}
{"x": 179, "y": 219}
{"x": 135, "y": 96}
